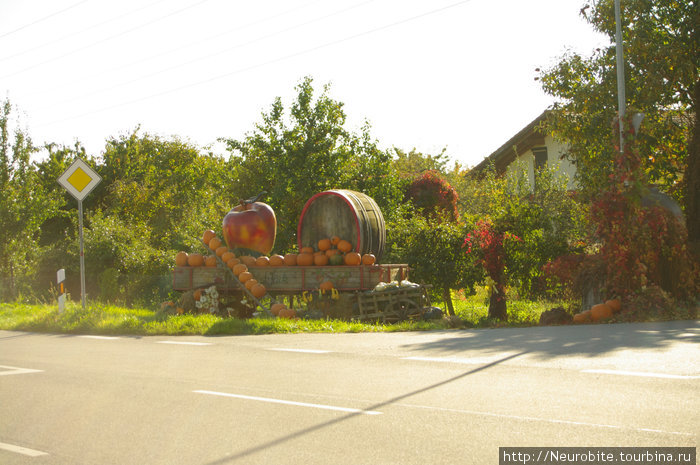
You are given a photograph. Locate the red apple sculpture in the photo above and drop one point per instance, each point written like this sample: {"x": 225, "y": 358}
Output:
{"x": 251, "y": 225}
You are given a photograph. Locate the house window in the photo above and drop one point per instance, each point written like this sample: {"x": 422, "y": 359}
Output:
{"x": 540, "y": 154}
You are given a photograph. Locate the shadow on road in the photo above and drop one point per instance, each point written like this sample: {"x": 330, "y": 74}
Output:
{"x": 311, "y": 429}
{"x": 556, "y": 341}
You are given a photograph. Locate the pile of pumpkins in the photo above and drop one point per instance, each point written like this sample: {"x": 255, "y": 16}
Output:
{"x": 332, "y": 251}
{"x": 599, "y": 312}
{"x": 329, "y": 251}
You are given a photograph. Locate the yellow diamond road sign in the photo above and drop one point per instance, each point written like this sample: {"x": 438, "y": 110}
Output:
{"x": 79, "y": 179}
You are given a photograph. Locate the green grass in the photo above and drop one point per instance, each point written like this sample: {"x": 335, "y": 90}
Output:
{"x": 97, "y": 318}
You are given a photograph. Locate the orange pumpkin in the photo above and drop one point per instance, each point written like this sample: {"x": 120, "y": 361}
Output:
{"x": 335, "y": 240}
{"x": 232, "y": 262}
{"x": 219, "y": 251}
{"x": 287, "y": 312}
{"x": 582, "y": 317}
{"x": 368, "y": 259}
{"x": 245, "y": 276}
{"x": 195, "y": 259}
{"x": 353, "y": 258}
{"x": 601, "y": 312}
{"x": 262, "y": 261}
{"x": 344, "y": 246}
{"x": 208, "y": 234}
{"x": 276, "y": 307}
{"x": 197, "y": 294}
{"x": 181, "y": 259}
{"x": 290, "y": 259}
{"x": 614, "y": 304}
{"x": 307, "y": 250}
{"x": 305, "y": 259}
{"x": 248, "y": 260}
{"x": 239, "y": 268}
{"x": 214, "y": 243}
{"x": 258, "y": 290}
{"x": 250, "y": 283}
{"x": 324, "y": 244}
{"x": 331, "y": 252}
{"x": 321, "y": 259}
{"x": 226, "y": 256}
{"x": 210, "y": 261}
{"x": 326, "y": 286}
{"x": 276, "y": 260}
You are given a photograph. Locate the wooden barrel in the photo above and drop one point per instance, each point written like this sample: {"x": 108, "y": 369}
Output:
{"x": 350, "y": 215}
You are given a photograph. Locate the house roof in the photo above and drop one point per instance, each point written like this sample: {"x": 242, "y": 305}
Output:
{"x": 528, "y": 137}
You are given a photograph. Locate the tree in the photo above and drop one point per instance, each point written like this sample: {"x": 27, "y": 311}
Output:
{"x": 662, "y": 59}
{"x": 434, "y": 252}
{"x": 24, "y": 205}
{"x": 294, "y": 156}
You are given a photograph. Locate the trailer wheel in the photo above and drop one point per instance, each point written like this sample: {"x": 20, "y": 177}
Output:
{"x": 401, "y": 310}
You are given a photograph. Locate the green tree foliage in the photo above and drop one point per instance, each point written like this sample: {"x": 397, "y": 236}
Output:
{"x": 25, "y": 204}
{"x": 434, "y": 250}
{"x": 662, "y": 59}
{"x": 519, "y": 229}
{"x": 294, "y": 156}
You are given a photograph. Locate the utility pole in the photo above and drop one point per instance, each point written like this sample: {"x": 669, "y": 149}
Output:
{"x": 620, "y": 74}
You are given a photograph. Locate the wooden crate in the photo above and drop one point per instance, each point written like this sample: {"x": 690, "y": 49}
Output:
{"x": 291, "y": 279}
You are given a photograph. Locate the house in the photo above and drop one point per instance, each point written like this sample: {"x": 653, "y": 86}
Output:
{"x": 532, "y": 148}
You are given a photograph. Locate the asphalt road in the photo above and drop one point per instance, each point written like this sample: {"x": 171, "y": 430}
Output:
{"x": 451, "y": 397}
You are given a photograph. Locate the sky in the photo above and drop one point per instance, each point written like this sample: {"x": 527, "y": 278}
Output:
{"x": 430, "y": 75}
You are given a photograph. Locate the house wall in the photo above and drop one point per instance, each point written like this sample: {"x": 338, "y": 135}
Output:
{"x": 555, "y": 152}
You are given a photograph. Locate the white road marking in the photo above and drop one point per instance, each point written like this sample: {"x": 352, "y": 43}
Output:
{"x": 548, "y": 420}
{"x": 640, "y": 373}
{"x": 185, "y": 343}
{"x": 289, "y": 402}
{"x": 22, "y": 450}
{"x": 464, "y": 361}
{"x": 107, "y": 338}
{"x": 303, "y": 351}
{"x": 16, "y": 370}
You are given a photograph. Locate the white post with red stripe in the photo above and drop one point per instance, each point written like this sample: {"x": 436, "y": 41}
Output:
{"x": 60, "y": 279}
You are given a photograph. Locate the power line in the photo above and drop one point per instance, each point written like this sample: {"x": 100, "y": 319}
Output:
{"x": 73, "y": 34}
{"x": 107, "y": 39}
{"x": 211, "y": 55}
{"x": 259, "y": 65}
{"x": 42, "y": 19}
{"x": 173, "y": 50}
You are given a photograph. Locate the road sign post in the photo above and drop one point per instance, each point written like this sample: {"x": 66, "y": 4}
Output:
{"x": 79, "y": 180}
{"x": 60, "y": 279}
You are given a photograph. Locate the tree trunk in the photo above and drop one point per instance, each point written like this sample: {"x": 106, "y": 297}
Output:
{"x": 692, "y": 180}
{"x": 447, "y": 297}
{"x": 497, "y": 303}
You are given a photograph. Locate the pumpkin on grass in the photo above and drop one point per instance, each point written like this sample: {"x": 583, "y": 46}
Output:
{"x": 287, "y": 313}
{"x": 276, "y": 307}
{"x": 601, "y": 312}
{"x": 614, "y": 304}
{"x": 582, "y": 317}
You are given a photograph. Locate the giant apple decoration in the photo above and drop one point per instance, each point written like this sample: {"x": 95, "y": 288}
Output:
{"x": 251, "y": 225}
